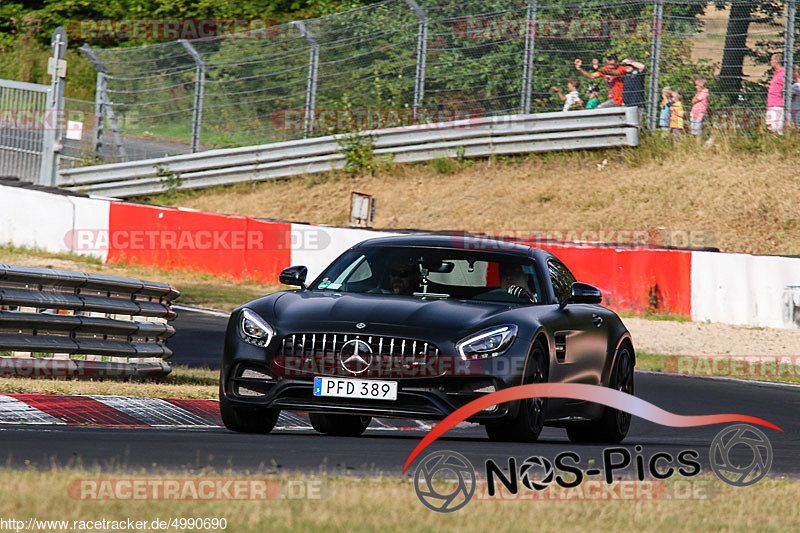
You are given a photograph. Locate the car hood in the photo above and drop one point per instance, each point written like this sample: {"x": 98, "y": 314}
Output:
{"x": 330, "y": 311}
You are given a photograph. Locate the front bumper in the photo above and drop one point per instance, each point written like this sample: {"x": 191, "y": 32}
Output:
{"x": 428, "y": 399}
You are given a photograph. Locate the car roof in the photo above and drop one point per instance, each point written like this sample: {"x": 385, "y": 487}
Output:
{"x": 456, "y": 242}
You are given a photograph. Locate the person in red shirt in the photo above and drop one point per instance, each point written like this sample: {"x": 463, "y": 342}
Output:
{"x": 613, "y": 73}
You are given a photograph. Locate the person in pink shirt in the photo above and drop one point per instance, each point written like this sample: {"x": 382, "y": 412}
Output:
{"x": 699, "y": 107}
{"x": 774, "y": 116}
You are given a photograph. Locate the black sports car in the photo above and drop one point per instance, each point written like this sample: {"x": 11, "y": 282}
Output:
{"x": 417, "y": 326}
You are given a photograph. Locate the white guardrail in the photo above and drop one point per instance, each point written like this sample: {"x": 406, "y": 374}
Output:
{"x": 511, "y": 134}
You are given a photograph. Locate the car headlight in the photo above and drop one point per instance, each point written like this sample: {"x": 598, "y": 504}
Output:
{"x": 487, "y": 343}
{"x": 254, "y": 330}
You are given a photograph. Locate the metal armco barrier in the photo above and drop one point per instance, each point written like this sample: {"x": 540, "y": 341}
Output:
{"x": 118, "y": 325}
{"x": 512, "y": 134}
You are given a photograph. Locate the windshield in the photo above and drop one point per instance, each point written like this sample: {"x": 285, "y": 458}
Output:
{"x": 434, "y": 273}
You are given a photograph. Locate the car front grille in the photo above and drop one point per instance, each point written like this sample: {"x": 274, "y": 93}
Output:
{"x": 330, "y": 344}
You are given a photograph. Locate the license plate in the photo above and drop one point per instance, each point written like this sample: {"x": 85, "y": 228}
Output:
{"x": 368, "y": 389}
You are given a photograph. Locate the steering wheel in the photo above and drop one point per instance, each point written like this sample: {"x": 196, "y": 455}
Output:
{"x": 519, "y": 292}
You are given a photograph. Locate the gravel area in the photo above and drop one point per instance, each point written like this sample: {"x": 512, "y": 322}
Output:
{"x": 701, "y": 338}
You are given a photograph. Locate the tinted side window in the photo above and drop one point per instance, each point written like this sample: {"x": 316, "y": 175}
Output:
{"x": 561, "y": 278}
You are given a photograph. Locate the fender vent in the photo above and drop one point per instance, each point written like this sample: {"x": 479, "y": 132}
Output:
{"x": 561, "y": 347}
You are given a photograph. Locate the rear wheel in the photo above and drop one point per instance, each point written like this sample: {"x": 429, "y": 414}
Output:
{"x": 528, "y": 424}
{"x": 339, "y": 425}
{"x": 613, "y": 426}
{"x": 246, "y": 419}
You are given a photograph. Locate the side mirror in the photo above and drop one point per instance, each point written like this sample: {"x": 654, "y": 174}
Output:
{"x": 294, "y": 275}
{"x": 582, "y": 293}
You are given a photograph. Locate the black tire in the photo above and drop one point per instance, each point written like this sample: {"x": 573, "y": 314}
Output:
{"x": 247, "y": 419}
{"x": 613, "y": 425}
{"x": 529, "y": 422}
{"x": 339, "y": 425}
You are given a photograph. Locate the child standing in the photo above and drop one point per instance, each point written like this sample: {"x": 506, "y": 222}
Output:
{"x": 666, "y": 109}
{"x": 573, "y": 98}
{"x": 699, "y": 107}
{"x": 594, "y": 101}
{"x": 676, "y": 114}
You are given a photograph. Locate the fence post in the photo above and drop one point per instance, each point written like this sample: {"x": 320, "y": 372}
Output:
{"x": 102, "y": 105}
{"x": 313, "y": 68}
{"x": 788, "y": 61}
{"x": 199, "y": 87}
{"x": 527, "y": 61}
{"x": 99, "y": 116}
{"x": 655, "y": 64}
{"x": 422, "y": 55}
{"x": 51, "y": 137}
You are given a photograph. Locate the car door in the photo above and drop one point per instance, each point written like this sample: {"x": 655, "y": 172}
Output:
{"x": 580, "y": 333}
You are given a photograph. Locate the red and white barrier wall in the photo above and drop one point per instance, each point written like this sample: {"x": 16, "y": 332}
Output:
{"x": 730, "y": 288}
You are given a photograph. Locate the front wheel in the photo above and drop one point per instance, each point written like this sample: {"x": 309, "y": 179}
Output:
{"x": 613, "y": 426}
{"x": 246, "y": 419}
{"x": 529, "y": 422}
{"x": 339, "y": 425}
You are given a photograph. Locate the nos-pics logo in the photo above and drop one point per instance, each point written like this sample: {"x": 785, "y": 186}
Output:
{"x": 445, "y": 481}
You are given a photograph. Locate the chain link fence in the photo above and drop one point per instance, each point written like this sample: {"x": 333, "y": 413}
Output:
{"x": 405, "y": 62}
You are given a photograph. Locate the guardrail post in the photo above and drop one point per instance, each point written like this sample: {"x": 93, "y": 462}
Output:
{"x": 422, "y": 55}
{"x": 527, "y": 58}
{"x": 788, "y": 61}
{"x": 313, "y": 68}
{"x": 199, "y": 84}
{"x": 51, "y": 137}
{"x": 655, "y": 63}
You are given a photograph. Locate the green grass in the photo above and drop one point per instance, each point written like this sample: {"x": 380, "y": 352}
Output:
{"x": 389, "y": 504}
{"x": 729, "y": 367}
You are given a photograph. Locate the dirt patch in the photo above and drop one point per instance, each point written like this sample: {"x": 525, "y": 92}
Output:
{"x": 700, "y": 338}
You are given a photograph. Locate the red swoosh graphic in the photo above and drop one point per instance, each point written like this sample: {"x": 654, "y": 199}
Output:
{"x": 576, "y": 391}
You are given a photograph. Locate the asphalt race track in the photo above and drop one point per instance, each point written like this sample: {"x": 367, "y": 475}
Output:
{"x": 385, "y": 450}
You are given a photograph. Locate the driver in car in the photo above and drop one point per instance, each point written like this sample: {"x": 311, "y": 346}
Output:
{"x": 515, "y": 281}
{"x": 404, "y": 278}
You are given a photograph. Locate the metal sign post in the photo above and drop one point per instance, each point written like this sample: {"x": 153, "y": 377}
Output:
{"x": 51, "y": 138}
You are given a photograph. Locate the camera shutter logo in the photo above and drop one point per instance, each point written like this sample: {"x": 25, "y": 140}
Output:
{"x": 740, "y": 436}
{"x": 445, "y": 465}
{"x": 532, "y": 464}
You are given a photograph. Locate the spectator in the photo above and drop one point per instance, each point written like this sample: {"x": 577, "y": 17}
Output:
{"x": 699, "y": 107}
{"x": 633, "y": 84}
{"x": 613, "y": 73}
{"x": 796, "y": 96}
{"x": 666, "y": 109}
{"x": 594, "y": 101}
{"x": 774, "y": 115}
{"x": 573, "y": 98}
{"x": 676, "y": 114}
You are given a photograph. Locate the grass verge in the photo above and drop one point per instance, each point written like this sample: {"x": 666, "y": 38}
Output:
{"x": 390, "y": 504}
{"x": 737, "y": 195}
{"x": 183, "y": 382}
{"x": 197, "y": 288}
{"x": 769, "y": 369}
